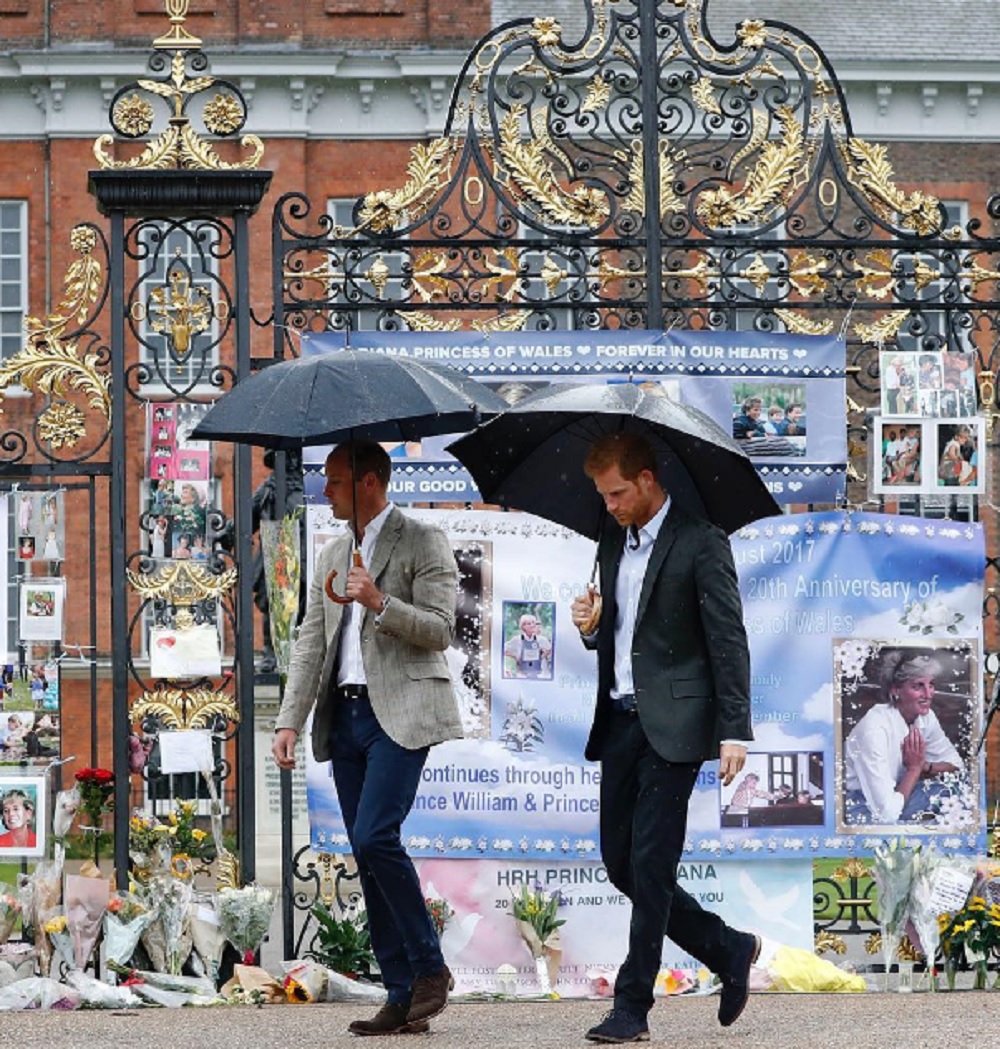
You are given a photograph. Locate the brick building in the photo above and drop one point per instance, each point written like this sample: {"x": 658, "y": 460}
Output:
{"x": 340, "y": 90}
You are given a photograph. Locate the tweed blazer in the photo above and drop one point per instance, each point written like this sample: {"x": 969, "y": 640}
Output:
{"x": 690, "y": 658}
{"x": 411, "y": 691}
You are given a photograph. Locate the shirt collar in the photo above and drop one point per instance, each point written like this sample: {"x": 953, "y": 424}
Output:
{"x": 374, "y": 526}
{"x": 655, "y": 523}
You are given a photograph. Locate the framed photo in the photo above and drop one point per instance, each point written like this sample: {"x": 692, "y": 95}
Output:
{"x": 898, "y": 456}
{"x": 42, "y": 608}
{"x": 24, "y": 812}
{"x": 906, "y": 723}
{"x": 959, "y": 445}
{"x": 528, "y": 639}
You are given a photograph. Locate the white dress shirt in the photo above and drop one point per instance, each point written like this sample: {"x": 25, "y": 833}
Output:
{"x": 628, "y": 587}
{"x": 350, "y": 666}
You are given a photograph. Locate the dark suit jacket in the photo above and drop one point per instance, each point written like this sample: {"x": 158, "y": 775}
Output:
{"x": 690, "y": 661}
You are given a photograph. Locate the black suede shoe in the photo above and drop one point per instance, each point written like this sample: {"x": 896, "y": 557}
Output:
{"x": 390, "y": 1019}
{"x": 736, "y": 980}
{"x": 620, "y": 1025}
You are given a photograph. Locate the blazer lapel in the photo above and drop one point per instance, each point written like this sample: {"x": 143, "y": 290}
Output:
{"x": 664, "y": 541}
{"x": 386, "y": 542}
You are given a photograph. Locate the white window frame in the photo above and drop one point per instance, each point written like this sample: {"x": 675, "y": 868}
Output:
{"x": 12, "y": 333}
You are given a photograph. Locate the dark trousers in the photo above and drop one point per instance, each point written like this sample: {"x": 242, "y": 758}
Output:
{"x": 376, "y": 782}
{"x": 644, "y": 803}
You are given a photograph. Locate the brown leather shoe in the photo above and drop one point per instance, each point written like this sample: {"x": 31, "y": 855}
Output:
{"x": 430, "y": 995}
{"x": 390, "y": 1019}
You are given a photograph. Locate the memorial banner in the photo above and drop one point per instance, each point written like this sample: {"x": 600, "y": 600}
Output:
{"x": 832, "y": 603}
{"x": 781, "y": 396}
{"x": 480, "y": 938}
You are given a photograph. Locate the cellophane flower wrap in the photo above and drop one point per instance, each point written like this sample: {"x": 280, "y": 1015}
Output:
{"x": 10, "y": 911}
{"x": 535, "y": 914}
{"x": 168, "y": 937}
{"x": 85, "y": 904}
{"x": 125, "y": 920}
{"x": 892, "y": 868}
{"x": 280, "y": 543}
{"x": 39, "y": 893}
{"x": 67, "y": 805}
{"x": 245, "y": 915}
{"x": 56, "y": 928}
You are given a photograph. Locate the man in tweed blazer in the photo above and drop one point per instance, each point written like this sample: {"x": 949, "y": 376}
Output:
{"x": 373, "y": 672}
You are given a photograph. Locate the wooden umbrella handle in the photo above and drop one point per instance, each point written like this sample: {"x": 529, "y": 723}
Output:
{"x": 328, "y": 586}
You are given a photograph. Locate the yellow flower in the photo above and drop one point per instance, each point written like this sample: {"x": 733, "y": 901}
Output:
{"x": 977, "y": 903}
{"x": 199, "y": 835}
{"x": 57, "y": 924}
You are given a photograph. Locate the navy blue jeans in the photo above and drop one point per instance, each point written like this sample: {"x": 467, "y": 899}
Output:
{"x": 376, "y": 782}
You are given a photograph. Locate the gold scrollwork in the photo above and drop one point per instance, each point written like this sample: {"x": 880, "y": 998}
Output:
{"x": 798, "y": 324}
{"x": 181, "y": 709}
{"x": 533, "y": 175}
{"x": 181, "y": 310}
{"x": 429, "y": 165}
{"x": 766, "y": 185}
{"x": 884, "y": 330}
{"x": 828, "y": 941}
{"x": 869, "y": 169}
{"x": 51, "y": 364}
{"x": 182, "y": 584}
{"x": 473, "y": 191}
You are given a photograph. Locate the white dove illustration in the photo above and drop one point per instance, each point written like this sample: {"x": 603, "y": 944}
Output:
{"x": 771, "y": 909}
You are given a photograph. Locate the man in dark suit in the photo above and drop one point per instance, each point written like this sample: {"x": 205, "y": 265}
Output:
{"x": 673, "y": 691}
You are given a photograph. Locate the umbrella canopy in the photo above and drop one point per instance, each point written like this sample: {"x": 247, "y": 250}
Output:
{"x": 344, "y": 395}
{"x": 531, "y": 457}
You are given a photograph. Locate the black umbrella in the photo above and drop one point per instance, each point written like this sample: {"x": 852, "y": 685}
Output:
{"x": 531, "y": 457}
{"x": 348, "y": 395}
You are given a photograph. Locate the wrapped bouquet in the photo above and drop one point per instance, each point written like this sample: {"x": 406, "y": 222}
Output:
{"x": 535, "y": 913}
{"x": 245, "y": 915}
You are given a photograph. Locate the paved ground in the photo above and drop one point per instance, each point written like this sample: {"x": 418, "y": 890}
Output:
{"x": 771, "y": 1021}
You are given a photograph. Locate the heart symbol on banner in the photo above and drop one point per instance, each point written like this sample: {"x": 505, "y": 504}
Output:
{"x": 166, "y": 642}
{"x": 795, "y": 486}
{"x": 800, "y": 353}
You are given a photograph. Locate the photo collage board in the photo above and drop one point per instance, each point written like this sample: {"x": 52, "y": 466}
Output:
{"x": 928, "y": 438}
{"x": 180, "y": 494}
{"x": 34, "y": 523}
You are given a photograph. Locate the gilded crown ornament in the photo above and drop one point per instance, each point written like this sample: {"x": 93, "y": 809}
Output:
{"x": 178, "y": 145}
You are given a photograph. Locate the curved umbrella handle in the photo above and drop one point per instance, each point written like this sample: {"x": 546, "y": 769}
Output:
{"x": 340, "y": 599}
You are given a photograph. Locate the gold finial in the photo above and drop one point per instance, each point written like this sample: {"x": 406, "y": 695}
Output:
{"x": 177, "y": 37}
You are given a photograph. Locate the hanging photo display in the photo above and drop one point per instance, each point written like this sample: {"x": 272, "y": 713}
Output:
{"x": 927, "y": 385}
{"x": 927, "y": 457}
{"x": 42, "y": 609}
{"x": 30, "y": 719}
{"x": 178, "y": 520}
{"x": 40, "y": 522}
{"x": 171, "y": 454}
{"x": 24, "y": 812}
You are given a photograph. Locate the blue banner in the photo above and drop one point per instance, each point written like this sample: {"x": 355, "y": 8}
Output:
{"x": 831, "y": 600}
{"x": 782, "y": 396}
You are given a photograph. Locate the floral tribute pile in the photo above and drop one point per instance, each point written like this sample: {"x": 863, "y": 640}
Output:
{"x": 83, "y": 942}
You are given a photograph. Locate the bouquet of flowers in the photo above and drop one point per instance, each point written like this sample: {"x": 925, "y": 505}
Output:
{"x": 940, "y": 885}
{"x": 280, "y": 545}
{"x": 86, "y": 902}
{"x": 124, "y": 922}
{"x": 440, "y": 913}
{"x": 206, "y": 932}
{"x": 10, "y": 911}
{"x": 188, "y": 844}
{"x": 97, "y": 796}
{"x": 39, "y": 893}
{"x": 57, "y": 929}
{"x": 974, "y": 931}
{"x": 246, "y": 915}
{"x": 535, "y": 914}
{"x": 168, "y": 937}
{"x": 892, "y": 869}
